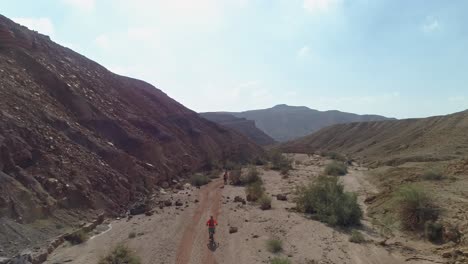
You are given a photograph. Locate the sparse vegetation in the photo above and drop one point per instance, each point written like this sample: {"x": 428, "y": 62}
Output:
{"x": 274, "y": 245}
{"x": 415, "y": 207}
{"x": 78, "y": 237}
{"x": 265, "y": 202}
{"x": 280, "y": 261}
{"x": 199, "y": 179}
{"x": 280, "y": 162}
{"x": 356, "y": 237}
{"x": 235, "y": 176}
{"x": 230, "y": 165}
{"x": 254, "y": 191}
{"x": 433, "y": 175}
{"x": 433, "y": 231}
{"x": 326, "y": 199}
{"x": 132, "y": 235}
{"x": 121, "y": 255}
{"x": 214, "y": 174}
{"x": 252, "y": 176}
{"x": 259, "y": 161}
{"x": 336, "y": 169}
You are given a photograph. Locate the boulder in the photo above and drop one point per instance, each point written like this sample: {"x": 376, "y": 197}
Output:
{"x": 138, "y": 208}
{"x": 281, "y": 197}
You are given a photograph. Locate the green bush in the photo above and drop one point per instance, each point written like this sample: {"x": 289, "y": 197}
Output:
{"x": 252, "y": 176}
{"x": 235, "y": 177}
{"x": 433, "y": 231}
{"x": 274, "y": 245}
{"x": 356, "y": 237}
{"x": 433, "y": 175}
{"x": 280, "y": 261}
{"x": 230, "y": 165}
{"x": 336, "y": 169}
{"x": 265, "y": 202}
{"x": 326, "y": 199}
{"x": 280, "y": 162}
{"x": 120, "y": 255}
{"x": 414, "y": 207}
{"x": 254, "y": 191}
{"x": 78, "y": 237}
{"x": 199, "y": 179}
{"x": 214, "y": 174}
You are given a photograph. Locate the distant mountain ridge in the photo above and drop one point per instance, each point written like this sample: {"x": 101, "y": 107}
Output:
{"x": 283, "y": 122}
{"x": 392, "y": 142}
{"x": 241, "y": 125}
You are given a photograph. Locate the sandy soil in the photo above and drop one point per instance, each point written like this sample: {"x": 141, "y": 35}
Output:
{"x": 180, "y": 236}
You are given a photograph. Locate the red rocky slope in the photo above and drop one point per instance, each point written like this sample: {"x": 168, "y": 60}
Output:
{"x": 75, "y": 135}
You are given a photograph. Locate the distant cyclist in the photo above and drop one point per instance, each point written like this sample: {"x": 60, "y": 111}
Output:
{"x": 211, "y": 223}
{"x": 225, "y": 177}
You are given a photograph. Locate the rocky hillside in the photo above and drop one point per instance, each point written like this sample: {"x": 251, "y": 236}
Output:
{"x": 392, "y": 142}
{"x": 74, "y": 135}
{"x": 241, "y": 125}
{"x": 284, "y": 122}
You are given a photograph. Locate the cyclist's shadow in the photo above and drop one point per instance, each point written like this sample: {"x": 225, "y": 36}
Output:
{"x": 213, "y": 246}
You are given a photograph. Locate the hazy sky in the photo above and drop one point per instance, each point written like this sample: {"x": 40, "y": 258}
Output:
{"x": 397, "y": 58}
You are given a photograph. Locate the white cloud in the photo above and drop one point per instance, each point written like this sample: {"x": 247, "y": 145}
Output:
{"x": 102, "y": 41}
{"x": 319, "y": 6}
{"x": 83, "y": 5}
{"x": 431, "y": 25}
{"x": 43, "y": 24}
{"x": 303, "y": 52}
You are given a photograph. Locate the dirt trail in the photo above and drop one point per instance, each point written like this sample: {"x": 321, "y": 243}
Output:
{"x": 210, "y": 200}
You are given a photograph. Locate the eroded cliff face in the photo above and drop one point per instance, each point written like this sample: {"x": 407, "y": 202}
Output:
{"x": 75, "y": 135}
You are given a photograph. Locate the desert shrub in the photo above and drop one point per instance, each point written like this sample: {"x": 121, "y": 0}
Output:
{"x": 132, "y": 235}
{"x": 78, "y": 237}
{"x": 280, "y": 162}
{"x": 199, "y": 179}
{"x": 415, "y": 207}
{"x": 280, "y": 261}
{"x": 259, "y": 161}
{"x": 274, "y": 245}
{"x": 432, "y": 175}
{"x": 235, "y": 176}
{"x": 265, "y": 202}
{"x": 230, "y": 165}
{"x": 356, "y": 237}
{"x": 214, "y": 174}
{"x": 120, "y": 255}
{"x": 327, "y": 200}
{"x": 336, "y": 169}
{"x": 254, "y": 191}
{"x": 252, "y": 176}
{"x": 433, "y": 231}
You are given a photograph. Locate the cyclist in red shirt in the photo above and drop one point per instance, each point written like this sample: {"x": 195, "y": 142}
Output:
{"x": 211, "y": 223}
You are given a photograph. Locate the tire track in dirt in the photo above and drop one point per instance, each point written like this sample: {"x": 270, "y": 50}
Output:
{"x": 215, "y": 210}
{"x": 184, "y": 251}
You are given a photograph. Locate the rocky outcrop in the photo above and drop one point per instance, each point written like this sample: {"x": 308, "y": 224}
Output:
{"x": 74, "y": 135}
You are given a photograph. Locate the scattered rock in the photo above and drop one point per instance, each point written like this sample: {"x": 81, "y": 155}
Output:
{"x": 232, "y": 230}
{"x": 168, "y": 203}
{"x": 196, "y": 201}
{"x": 179, "y": 203}
{"x": 4, "y": 260}
{"x": 239, "y": 199}
{"x": 447, "y": 254}
{"x": 281, "y": 197}
{"x": 138, "y": 208}
{"x": 370, "y": 199}
{"x": 149, "y": 213}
